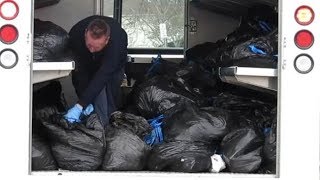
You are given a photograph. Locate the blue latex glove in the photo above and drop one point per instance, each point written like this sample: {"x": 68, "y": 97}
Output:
{"x": 73, "y": 114}
{"x": 88, "y": 110}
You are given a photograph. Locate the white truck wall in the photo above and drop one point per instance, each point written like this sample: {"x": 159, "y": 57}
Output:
{"x": 65, "y": 14}
{"x": 210, "y": 26}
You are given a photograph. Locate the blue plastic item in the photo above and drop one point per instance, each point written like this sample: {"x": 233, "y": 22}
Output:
{"x": 156, "y": 136}
{"x": 156, "y": 62}
{"x": 256, "y": 50}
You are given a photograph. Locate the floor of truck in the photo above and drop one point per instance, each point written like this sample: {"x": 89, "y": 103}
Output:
{"x": 157, "y": 173}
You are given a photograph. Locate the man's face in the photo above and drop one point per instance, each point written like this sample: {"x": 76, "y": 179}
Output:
{"x": 95, "y": 45}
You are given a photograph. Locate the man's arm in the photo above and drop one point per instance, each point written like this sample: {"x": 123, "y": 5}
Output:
{"x": 80, "y": 77}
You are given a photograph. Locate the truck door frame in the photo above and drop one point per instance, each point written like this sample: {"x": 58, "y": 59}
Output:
{"x": 298, "y": 106}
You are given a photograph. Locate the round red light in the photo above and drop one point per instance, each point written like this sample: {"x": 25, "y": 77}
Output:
{"x": 9, "y": 10}
{"x": 304, "y": 15}
{"x": 304, "y": 39}
{"x": 8, "y": 34}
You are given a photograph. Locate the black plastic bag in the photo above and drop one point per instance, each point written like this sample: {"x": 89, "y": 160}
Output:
{"x": 245, "y": 111}
{"x": 241, "y": 104}
{"x": 50, "y": 41}
{"x": 42, "y": 158}
{"x": 160, "y": 66}
{"x": 260, "y": 20}
{"x": 79, "y": 147}
{"x": 242, "y": 150}
{"x": 159, "y": 94}
{"x": 270, "y": 148}
{"x": 264, "y": 46}
{"x": 46, "y": 101}
{"x": 197, "y": 78}
{"x": 189, "y": 123}
{"x": 205, "y": 54}
{"x": 253, "y": 61}
{"x": 181, "y": 156}
{"x": 136, "y": 124}
{"x": 126, "y": 150}
{"x": 202, "y": 79}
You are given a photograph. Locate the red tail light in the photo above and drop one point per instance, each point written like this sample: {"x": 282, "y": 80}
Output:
{"x": 304, "y": 39}
{"x": 9, "y": 10}
{"x": 8, "y": 34}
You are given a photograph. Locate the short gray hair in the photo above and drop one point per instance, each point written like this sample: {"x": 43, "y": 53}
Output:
{"x": 99, "y": 28}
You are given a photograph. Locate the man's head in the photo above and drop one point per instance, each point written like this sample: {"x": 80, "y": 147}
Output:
{"x": 97, "y": 35}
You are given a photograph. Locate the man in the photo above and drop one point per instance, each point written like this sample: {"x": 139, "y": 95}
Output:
{"x": 100, "y": 46}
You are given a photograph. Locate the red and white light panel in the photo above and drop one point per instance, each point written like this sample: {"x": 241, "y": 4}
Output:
{"x": 9, "y": 10}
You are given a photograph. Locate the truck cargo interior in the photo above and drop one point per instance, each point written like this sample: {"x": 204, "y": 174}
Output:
{"x": 199, "y": 93}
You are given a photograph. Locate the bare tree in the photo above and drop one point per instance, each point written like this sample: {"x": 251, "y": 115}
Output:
{"x": 145, "y": 16}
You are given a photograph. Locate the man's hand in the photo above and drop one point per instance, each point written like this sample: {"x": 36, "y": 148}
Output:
{"x": 73, "y": 114}
{"x": 88, "y": 110}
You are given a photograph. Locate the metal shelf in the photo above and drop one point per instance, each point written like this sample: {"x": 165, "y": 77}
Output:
{"x": 261, "y": 79}
{"x": 45, "y": 71}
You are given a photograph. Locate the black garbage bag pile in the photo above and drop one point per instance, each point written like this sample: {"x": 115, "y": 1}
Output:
{"x": 161, "y": 93}
{"x": 168, "y": 84}
{"x": 189, "y": 122}
{"x": 245, "y": 111}
{"x": 42, "y": 158}
{"x": 264, "y": 46}
{"x": 77, "y": 147}
{"x": 242, "y": 150}
{"x": 50, "y": 43}
{"x": 194, "y": 75}
{"x": 250, "y": 120}
{"x": 246, "y": 147}
{"x": 191, "y": 135}
{"x": 126, "y": 150}
{"x": 257, "y": 52}
{"x": 260, "y": 20}
{"x": 252, "y": 44}
{"x": 47, "y": 101}
{"x": 193, "y": 124}
{"x": 181, "y": 156}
